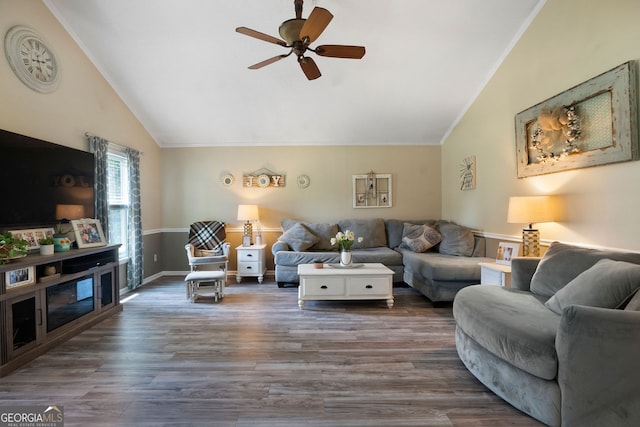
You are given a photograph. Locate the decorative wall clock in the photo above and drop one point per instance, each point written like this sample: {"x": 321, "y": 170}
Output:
{"x": 31, "y": 59}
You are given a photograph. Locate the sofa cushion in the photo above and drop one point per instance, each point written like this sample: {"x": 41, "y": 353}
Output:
{"x": 456, "y": 239}
{"x": 371, "y": 230}
{"x": 384, "y": 255}
{"x": 324, "y": 232}
{"x": 441, "y": 267}
{"x": 607, "y": 284}
{"x": 420, "y": 238}
{"x": 562, "y": 263}
{"x": 634, "y": 302}
{"x": 299, "y": 237}
{"x": 513, "y": 325}
{"x": 395, "y": 228}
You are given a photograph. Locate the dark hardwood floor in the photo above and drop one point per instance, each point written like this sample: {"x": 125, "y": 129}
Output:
{"x": 256, "y": 359}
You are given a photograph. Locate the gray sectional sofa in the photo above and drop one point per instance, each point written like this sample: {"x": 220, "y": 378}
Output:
{"x": 563, "y": 343}
{"x": 438, "y": 272}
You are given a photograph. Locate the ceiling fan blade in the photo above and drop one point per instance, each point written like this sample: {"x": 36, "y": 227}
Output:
{"x": 309, "y": 68}
{"x": 315, "y": 24}
{"x": 262, "y": 36}
{"x": 341, "y": 51}
{"x": 267, "y": 62}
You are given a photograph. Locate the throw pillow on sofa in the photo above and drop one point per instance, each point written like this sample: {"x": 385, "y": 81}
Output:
{"x": 324, "y": 232}
{"x": 299, "y": 238}
{"x": 420, "y": 238}
{"x": 562, "y": 263}
{"x": 456, "y": 239}
{"x": 607, "y": 284}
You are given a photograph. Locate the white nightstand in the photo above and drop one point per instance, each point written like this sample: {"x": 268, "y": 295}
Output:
{"x": 492, "y": 273}
{"x": 251, "y": 262}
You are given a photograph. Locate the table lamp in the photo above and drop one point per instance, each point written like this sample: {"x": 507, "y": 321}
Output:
{"x": 530, "y": 210}
{"x": 247, "y": 213}
{"x": 69, "y": 212}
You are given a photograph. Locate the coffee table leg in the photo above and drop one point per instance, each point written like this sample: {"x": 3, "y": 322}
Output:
{"x": 301, "y": 303}
{"x": 390, "y": 303}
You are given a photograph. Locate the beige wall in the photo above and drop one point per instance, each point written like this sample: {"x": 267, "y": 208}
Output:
{"x": 570, "y": 41}
{"x": 83, "y": 102}
{"x": 193, "y": 190}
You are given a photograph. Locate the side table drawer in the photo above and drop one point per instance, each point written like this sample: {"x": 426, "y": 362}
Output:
{"x": 319, "y": 286}
{"x": 247, "y": 268}
{"x": 361, "y": 286}
{"x": 249, "y": 255}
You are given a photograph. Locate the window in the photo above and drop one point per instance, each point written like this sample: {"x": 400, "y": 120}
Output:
{"x": 118, "y": 196}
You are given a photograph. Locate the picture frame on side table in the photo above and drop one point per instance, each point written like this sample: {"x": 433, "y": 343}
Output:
{"x": 88, "y": 232}
{"x": 20, "y": 277}
{"x": 506, "y": 252}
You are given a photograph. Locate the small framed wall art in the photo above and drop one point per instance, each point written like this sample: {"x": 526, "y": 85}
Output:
{"x": 468, "y": 173}
{"x": 372, "y": 190}
{"x": 88, "y": 233}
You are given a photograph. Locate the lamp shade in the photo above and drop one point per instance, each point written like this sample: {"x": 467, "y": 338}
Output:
{"x": 248, "y": 213}
{"x": 69, "y": 212}
{"x": 527, "y": 210}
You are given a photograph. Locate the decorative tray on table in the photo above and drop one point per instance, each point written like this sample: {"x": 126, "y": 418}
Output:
{"x": 354, "y": 265}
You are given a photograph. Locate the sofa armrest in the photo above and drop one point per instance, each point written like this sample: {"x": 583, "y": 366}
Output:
{"x": 522, "y": 269}
{"x": 279, "y": 246}
{"x": 599, "y": 366}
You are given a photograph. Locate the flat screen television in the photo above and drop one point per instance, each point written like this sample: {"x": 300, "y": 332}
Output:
{"x": 37, "y": 177}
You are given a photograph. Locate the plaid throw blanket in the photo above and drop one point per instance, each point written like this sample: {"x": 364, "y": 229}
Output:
{"x": 209, "y": 235}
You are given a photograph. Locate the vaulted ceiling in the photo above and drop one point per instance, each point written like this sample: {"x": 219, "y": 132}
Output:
{"x": 182, "y": 69}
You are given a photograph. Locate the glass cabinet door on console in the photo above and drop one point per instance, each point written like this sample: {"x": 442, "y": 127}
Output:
{"x": 25, "y": 321}
{"x": 69, "y": 301}
{"x": 107, "y": 288}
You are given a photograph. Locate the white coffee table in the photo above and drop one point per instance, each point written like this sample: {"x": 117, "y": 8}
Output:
{"x": 366, "y": 282}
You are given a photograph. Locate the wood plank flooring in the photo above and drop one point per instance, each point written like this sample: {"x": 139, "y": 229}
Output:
{"x": 256, "y": 359}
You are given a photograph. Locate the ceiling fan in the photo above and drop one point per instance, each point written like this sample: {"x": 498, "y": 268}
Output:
{"x": 298, "y": 34}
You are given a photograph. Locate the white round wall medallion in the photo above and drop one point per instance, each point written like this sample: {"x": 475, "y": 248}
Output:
{"x": 264, "y": 181}
{"x": 31, "y": 59}
{"x": 303, "y": 181}
{"x": 228, "y": 180}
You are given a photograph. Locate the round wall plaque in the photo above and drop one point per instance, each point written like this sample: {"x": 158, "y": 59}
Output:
{"x": 228, "y": 180}
{"x": 303, "y": 181}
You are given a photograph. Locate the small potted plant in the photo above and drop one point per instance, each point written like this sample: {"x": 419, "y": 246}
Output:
{"x": 11, "y": 248}
{"x": 61, "y": 243}
{"x": 47, "y": 246}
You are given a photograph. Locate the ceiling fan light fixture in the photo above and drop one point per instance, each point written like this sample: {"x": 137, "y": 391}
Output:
{"x": 290, "y": 30}
{"x": 297, "y": 34}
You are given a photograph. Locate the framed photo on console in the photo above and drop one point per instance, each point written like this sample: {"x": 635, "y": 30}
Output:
{"x": 506, "y": 252}
{"x": 20, "y": 277}
{"x": 88, "y": 232}
{"x": 33, "y": 236}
